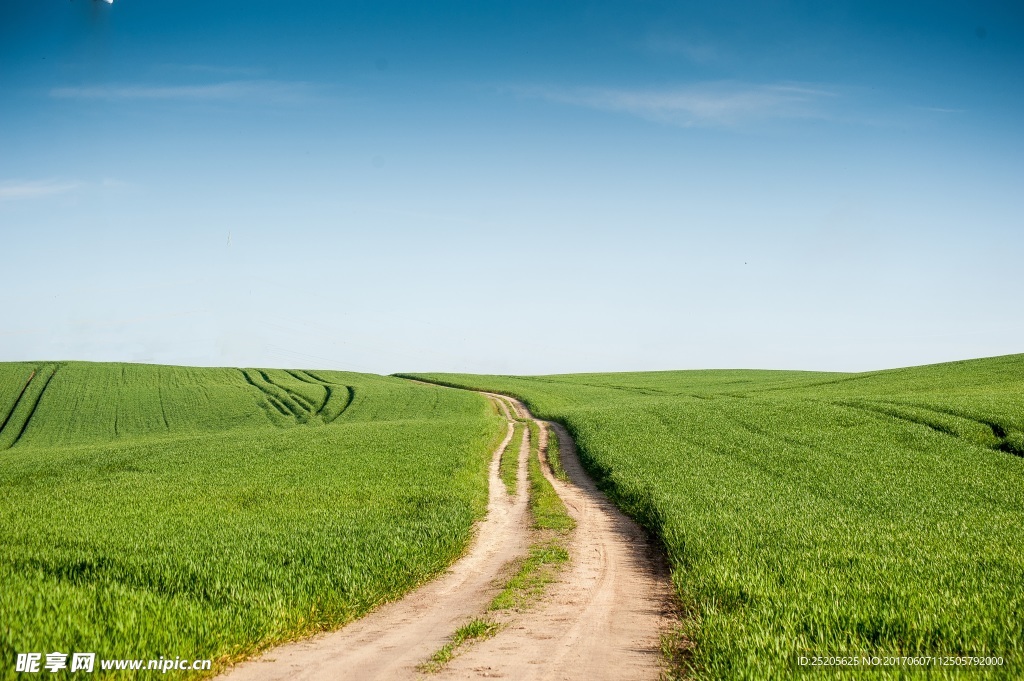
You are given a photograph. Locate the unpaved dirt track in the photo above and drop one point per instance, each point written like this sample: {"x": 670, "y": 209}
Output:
{"x": 602, "y": 619}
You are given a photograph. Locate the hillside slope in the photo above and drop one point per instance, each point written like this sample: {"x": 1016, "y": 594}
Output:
{"x": 207, "y": 513}
{"x": 808, "y": 513}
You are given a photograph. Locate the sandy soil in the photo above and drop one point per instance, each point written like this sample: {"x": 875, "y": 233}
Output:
{"x": 602, "y": 619}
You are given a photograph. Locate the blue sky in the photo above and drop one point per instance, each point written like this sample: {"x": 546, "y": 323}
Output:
{"x": 511, "y": 187}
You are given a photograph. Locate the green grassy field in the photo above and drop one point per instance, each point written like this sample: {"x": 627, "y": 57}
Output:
{"x": 151, "y": 511}
{"x": 813, "y": 513}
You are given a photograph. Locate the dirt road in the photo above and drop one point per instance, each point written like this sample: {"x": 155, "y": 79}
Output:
{"x": 602, "y": 619}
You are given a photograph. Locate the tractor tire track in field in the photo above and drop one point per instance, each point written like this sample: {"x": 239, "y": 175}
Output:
{"x": 11, "y": 423}
{"x": 339, "y": 397}
{"x": 602, "y": 618}
{"x": 293, "y": 405}
{"x": 296, "y": 403}
{"x": 299, "y": 376}
{"x": 14, "y": 407}
{"x": 1003, "y": 439}
{"x": 160, "y": 397}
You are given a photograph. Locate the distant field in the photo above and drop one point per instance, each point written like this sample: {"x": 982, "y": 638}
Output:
{"x": 203, "y": 513}
{"x": 817, "y": 513}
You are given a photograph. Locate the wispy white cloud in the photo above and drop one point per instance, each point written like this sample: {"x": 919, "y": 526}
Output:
{"x": 703, "y": 104}
{"x": 15, "y": 190}
{"x": 234, "y": 90}
{"x": 696, "y": 51}
{"x": 227, "y": 71}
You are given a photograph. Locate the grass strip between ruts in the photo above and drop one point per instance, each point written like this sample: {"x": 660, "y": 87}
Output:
{"x": 547, "y": 555}
{"x": 508, "y": 466}
{"x": 551, "y": 524}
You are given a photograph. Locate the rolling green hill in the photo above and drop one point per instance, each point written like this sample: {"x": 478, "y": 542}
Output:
{"x": 816, "y": 513}
{"x": 205, "y": 513}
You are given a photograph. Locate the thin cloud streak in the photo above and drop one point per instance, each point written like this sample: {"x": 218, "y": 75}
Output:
{"x": 224, "y": 71}
{"x": 704, "y": 104}
{"x": 14, "y": 191}
{"x": 235, "y": 90}
{"x": 698, "y": 52}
